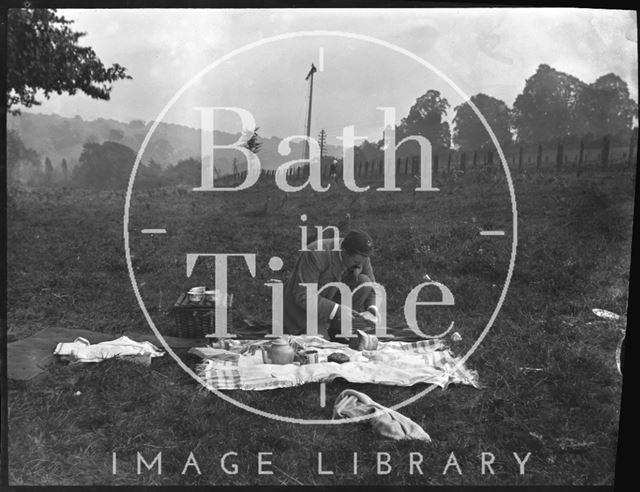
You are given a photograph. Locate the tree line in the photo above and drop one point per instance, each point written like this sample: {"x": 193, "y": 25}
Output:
{"x": 43, "y": 56}
{"x": 553, "y": 107}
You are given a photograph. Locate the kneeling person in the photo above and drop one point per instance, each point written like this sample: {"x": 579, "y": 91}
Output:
{"x": 322, "y": 265}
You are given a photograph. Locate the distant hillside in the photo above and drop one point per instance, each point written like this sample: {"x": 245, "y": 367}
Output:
{"x": 60, "y": 138}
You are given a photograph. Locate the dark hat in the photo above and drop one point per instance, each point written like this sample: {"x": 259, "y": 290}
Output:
{"x": 358, "y": 242}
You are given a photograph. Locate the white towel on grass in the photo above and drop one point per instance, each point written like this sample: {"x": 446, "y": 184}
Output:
{"x": 80, "y": 350}
{"x": 387, "y": 422}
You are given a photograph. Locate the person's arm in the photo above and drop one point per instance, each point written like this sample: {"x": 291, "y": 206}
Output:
{"x": 370, "y": 303}
{"x": 367, "y": 269}
{"x": 308, "y": 272}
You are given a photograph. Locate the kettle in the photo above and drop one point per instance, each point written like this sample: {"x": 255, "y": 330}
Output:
{"x": 280, "y": 352}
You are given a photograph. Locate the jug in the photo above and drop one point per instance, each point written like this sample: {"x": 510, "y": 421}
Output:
{"x": 280, "y": 352}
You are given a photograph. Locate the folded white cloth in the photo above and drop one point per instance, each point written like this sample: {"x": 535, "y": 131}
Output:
{"x": 394, "y": 363}
{"x": 387, "y": 423}
{"x": 81, "y": 350}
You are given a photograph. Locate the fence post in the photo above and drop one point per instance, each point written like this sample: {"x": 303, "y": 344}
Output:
{"x": 580, "y": 159}
{"x": 539, "y": 157}
{"x": 520, "y": 156}
{"x": 559, "y": 157}
{"x": 475, "y": 158}
{"x": 633, "y": 144}
{"x": 463, "y": 161}
{"x": 606, "y": 143}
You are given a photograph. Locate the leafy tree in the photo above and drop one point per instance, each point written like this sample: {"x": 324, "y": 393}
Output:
{"x": 555, "y": 105}
{"x": 48, "y": 171}
{"x": 104, "y": 166}
{"x": 160, "y": 149}
{"x": 547, "y": 109}
{"x": 150, "y": 175}
{"x": 253, "y": 142}
{"x": 426, "y": 118}
{"x": 368, "y": 151}
{"x": 115, "y": 135}
{"x": 23, "y": 164}
{"x": 469, "y": 132}
{"x": 65, "y": 169}
{"x": 138, "y": 124}
{"x": 607, "y": 107}
{"x": 187, "y": 171}
{"x": 43, "y": 54}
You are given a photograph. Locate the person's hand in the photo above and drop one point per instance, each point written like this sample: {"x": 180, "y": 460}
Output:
{"x": 351, "y": 274}
{"x": 371, "y": 314}
{"x": 349, "y": 312}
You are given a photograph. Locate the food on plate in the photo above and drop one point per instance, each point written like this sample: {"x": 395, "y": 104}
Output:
{"x": 338, "y": 357}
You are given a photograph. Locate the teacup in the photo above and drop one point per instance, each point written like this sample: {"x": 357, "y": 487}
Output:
{"x": 311, "y": 356}
{"x": 195, "y": 296}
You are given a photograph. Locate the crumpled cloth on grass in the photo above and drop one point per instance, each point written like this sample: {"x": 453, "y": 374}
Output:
{"x": 394, "y": 364}
{"x": 388, "y": 423}
{"x": 80, "y": 350}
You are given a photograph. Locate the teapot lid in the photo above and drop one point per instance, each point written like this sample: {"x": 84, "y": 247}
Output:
{"x": 280, "y": 341}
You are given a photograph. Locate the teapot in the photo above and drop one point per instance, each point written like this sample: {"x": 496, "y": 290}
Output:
{"x": 280, "y": 352}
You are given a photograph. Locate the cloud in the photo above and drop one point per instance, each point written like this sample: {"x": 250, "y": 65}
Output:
{"x": 487, "y": 50}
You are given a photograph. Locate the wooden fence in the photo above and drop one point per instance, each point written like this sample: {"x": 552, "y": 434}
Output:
{"x": 558, "y": 157}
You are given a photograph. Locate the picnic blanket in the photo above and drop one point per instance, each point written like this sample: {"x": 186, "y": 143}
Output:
{"x": 393, "y": 363}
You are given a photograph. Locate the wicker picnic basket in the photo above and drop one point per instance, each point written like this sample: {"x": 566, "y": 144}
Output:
{"x": 196, "y": 320}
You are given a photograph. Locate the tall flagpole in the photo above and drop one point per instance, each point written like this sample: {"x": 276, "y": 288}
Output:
{"x": 306, "y": 143}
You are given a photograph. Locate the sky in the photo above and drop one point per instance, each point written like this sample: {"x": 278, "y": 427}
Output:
{"x": 486, "y": 50}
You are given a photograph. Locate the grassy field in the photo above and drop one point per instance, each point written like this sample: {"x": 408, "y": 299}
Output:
{"x": 67, "y": 268}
